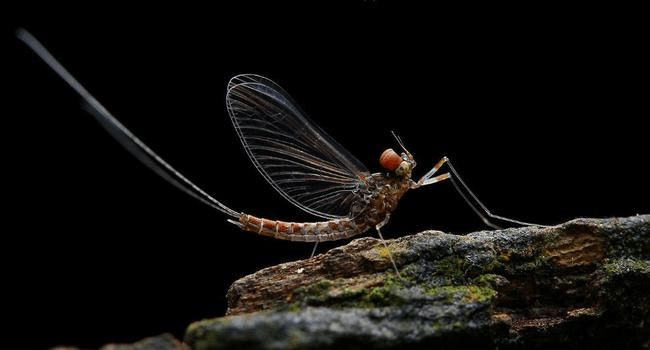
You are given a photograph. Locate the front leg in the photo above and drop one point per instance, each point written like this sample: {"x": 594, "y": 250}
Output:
{"x": 427, "y": 179}
{"x": 481, "y": 210}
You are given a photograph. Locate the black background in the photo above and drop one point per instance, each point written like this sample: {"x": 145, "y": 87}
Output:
{"x": 541, "y": 111}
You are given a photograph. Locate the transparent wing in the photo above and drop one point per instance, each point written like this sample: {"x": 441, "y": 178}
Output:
{"x": 304, "y": 164}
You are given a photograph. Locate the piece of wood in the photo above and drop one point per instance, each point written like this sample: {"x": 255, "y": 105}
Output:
{"x": 579, "y": 283}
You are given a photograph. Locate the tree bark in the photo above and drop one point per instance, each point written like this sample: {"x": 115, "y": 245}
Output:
{"x": 585, "y": 283}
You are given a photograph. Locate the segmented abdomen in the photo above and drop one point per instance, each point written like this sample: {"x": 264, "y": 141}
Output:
{"x": 302, "y": 231}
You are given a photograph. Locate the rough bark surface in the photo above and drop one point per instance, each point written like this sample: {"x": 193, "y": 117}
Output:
{"x": 585, "y": 283}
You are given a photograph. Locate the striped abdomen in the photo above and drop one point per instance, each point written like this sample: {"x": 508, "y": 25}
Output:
{"x": 302, "y": 231}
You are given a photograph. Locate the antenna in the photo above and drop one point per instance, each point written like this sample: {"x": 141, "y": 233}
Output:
{"x": 399, "y": 141}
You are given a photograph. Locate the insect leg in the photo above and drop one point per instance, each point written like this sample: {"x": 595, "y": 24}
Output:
{"x": 435, "y": 179}
{"x": 482, "y": 206}
{"x": 313, "y": 251}
{"x": 390, "y": 255}
{"x": 424, "y": 179}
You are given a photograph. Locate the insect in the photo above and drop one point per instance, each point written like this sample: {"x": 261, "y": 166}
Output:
{"x": 302, "y": 162}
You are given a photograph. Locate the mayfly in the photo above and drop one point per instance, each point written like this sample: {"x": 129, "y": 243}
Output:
{"x": 302, "y": 162}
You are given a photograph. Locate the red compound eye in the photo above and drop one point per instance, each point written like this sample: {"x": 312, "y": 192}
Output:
{"x": 390, "y": 160}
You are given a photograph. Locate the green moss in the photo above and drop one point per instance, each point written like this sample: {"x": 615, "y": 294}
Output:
{"x": 315, "y": 294}
{"x": 324, "y": 292}
{"x": 527, "y": 265}
{"x": 384, "y": 295}
{"x": 488, "y": 280}
{"x": 494, "y": 265}
{"x": 445, "y": 325}
{"x": 628, "y": 265}
{"x": 625, "y": 289}
{"x": 476, "y": 294}
{"x": 335, "y": 294}
{"x": 379, "y": 296}
{"x": 317, "y": 289}
{"x": 347, "y": 293}
{"x": 202, "y": 337}
{"x": 453, "y": 268}
{"x": 466, "y": 294}
{"x": 293, "y": 307}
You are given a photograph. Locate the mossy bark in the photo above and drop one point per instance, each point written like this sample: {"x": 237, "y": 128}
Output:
{"x": 585, "y": 284}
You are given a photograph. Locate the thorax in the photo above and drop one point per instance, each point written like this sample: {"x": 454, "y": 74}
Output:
{"x": 383, "y": 195}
